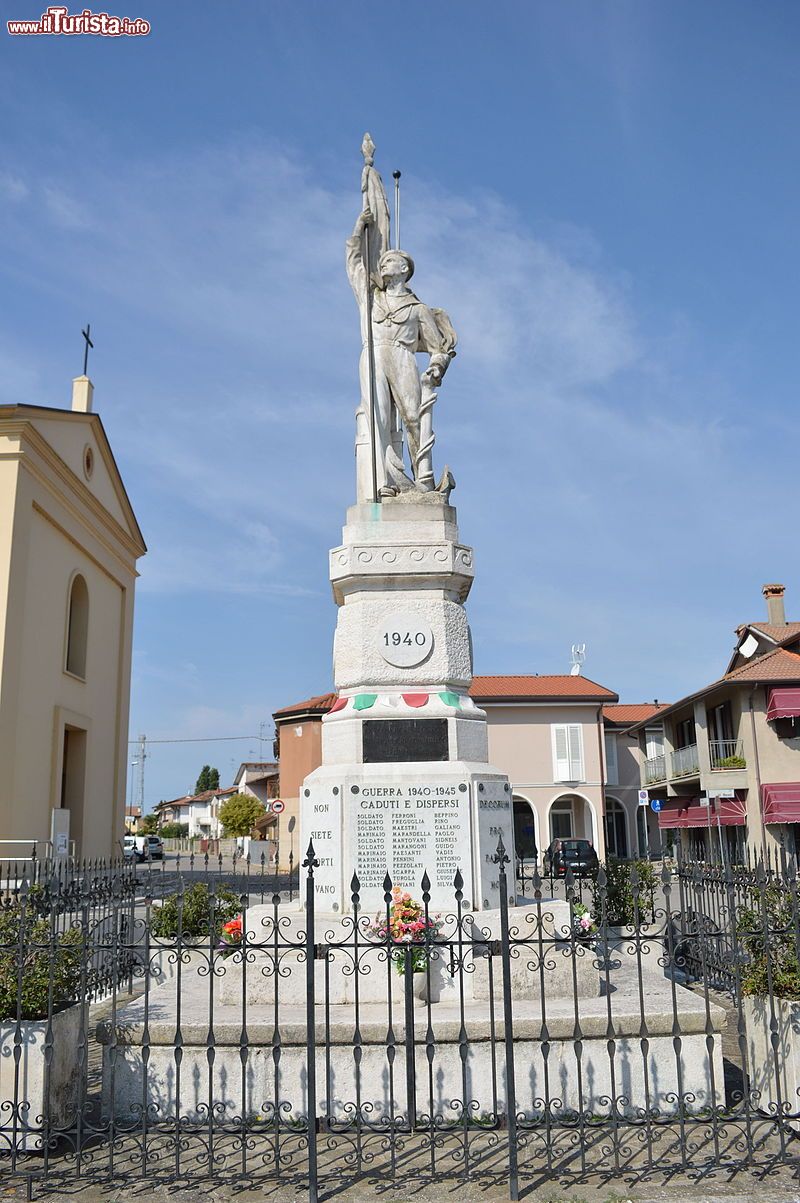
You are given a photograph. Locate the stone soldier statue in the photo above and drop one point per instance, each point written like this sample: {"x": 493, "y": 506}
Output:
{"x": 401, "y": 326}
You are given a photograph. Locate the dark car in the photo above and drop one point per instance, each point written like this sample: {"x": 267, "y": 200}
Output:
{"x": 577, "y": 855}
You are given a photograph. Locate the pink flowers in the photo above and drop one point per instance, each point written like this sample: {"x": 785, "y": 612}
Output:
{"x": 407, "y": 924}
{"x": 583, "y": 921}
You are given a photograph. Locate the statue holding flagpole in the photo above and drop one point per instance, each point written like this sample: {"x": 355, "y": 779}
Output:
{"x": 395, "y": 326}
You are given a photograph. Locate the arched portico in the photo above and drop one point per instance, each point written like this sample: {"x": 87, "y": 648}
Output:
{"x": 571, "y": 815}
{"x": 527, "y": 839}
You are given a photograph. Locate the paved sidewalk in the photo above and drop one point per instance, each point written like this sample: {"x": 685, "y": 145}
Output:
{"x": 779, "y": 1187}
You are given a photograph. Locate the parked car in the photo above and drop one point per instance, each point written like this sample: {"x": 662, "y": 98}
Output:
{"x": 142, "y": 847}
{"x": 577, "y": 855}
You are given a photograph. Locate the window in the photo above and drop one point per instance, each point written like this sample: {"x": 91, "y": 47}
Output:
{"x": 787, "y": 728}
{"x": 720, "y": 723}
{"x": 77, "y": 627}
{"x": 561, "y": 822}
{"x": 567, "y": 752}
{"x": 654, "y": 742}
{"x": 685, "y": 736}
{"x": 612, "y": 773}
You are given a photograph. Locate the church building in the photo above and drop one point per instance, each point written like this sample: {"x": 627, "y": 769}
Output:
{"x": 69, "y": 543}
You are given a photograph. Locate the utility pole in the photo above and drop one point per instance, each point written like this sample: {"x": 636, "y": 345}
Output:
{"x": 142, "y": 757}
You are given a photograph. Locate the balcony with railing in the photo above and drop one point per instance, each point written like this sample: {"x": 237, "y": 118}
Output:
{"x": 655, "y": 769}
{"x": 726, "y": 754}
{"x": 684, "y": 761}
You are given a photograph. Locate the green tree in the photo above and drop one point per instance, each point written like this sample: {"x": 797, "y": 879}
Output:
{"x": 208, "y": 779}
{"x": 239, "y": 814}
{"x": 148, "y": 825}
{"x": 174, "y": 831}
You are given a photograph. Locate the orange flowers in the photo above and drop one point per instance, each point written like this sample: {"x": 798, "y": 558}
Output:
{"x": 230, "y": 936}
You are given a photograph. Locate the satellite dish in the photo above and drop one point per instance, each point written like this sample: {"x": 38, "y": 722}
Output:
{"x": 578, "y": 657}
{"x": 748, "y": 647}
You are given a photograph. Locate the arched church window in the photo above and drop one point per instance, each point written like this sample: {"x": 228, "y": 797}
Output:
{"x": 77, "y": 627}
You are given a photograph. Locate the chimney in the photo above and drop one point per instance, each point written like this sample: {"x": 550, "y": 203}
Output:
{"x": 776, "y": 615}
{"x": 82, "y": 393}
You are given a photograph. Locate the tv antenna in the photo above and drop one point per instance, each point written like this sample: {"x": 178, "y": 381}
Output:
{"x": 578, "y": 657}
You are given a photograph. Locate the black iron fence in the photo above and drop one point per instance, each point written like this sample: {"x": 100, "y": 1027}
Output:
{"x": 190, "y": 1022}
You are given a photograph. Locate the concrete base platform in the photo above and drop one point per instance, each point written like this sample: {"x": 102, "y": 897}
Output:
{"x": 597, "y": 1056}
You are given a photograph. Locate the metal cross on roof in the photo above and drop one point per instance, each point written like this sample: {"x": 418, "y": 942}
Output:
{"x": 89, "y": 344}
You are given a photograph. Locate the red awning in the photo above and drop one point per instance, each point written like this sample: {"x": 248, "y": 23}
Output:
{"x": 687, "y": 812}
{"x": 781, "y": 803}
{"x": 784, "y": 703}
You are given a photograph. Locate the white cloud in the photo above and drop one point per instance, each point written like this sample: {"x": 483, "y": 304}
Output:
{"x": 597, "y": 471}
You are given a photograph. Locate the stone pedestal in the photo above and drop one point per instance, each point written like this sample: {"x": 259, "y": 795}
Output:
{"x": 405, "y": 786}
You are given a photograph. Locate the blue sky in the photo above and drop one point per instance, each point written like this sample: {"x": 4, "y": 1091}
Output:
{"x": 603, "y": 196}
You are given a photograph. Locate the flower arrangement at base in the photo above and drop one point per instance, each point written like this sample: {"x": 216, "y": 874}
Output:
{"x": 583, "y": 922}
{"x": 230, "y": 937}
{"x": 408, "y": 929}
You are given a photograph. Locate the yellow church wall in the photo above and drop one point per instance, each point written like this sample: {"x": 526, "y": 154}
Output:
{"x": 50, "y": 528}
{"x": 69, "y": 435}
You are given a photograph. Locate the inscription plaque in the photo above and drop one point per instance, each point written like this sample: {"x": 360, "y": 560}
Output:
{"x": 407, "y": 830}
{"x": 399, "y": 741}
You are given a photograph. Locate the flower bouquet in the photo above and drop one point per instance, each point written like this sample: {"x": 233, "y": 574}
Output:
{"x": 230, "y": 937}
{"x": 406, "y": 925}
{"x": 583, "y": 922}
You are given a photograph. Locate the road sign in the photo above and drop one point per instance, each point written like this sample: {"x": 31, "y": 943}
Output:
{"x": 656, "y": 805}
{"x": 644, "y": 797}
{"x": 704, "y": 800}
{"x": 278, "y": 806}
{"x": 722, "y": 793}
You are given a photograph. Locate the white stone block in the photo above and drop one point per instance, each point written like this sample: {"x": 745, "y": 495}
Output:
{"x": 28, "y": 1087}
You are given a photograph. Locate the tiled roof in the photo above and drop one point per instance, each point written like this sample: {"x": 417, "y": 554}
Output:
{"x": 780, "y": 632}
{"x": 188, "y": 799}
{"x": 635, "y": 712}
{"x": 779, "y": 665}
{"x": 207, "y": 794}
{"x": 322, "y": 703}
{"x": 535, "y": 688}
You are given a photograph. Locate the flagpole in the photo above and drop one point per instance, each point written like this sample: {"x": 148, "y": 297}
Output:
{"x": 373, "y": 405}
{"x": 396, "y": 178}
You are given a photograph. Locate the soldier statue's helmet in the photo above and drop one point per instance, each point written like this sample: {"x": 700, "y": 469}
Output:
{"x": 403, "y": 255}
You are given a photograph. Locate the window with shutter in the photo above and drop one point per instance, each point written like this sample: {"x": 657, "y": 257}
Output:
{"x": 575, "y": 752}
{"x": 567, "y": 752}
{"x": 560, "y": 753}
{"x": 612, "y": 773}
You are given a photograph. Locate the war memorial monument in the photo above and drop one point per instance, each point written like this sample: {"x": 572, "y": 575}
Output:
{"x": 405, "y": 785}
{"x": 504, "y": 1010}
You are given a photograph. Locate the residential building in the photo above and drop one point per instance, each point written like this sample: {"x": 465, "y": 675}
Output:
{"x": 260, "y": 779}
{"x": 298, "y": 746}
{"x": 726, "y": 768}
{"x": 69, "y": 545}
{"x": 563, "y": 740}
{"x": 199, "y": 812}
{"x": 631, "y": 829}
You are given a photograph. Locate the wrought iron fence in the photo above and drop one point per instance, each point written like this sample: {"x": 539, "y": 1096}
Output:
{"x": 634, "y": 1024}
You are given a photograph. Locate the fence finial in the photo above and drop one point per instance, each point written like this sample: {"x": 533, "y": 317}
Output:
{"x": 311, "y": 861}
{"x": 501, "y": 857}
